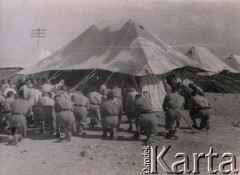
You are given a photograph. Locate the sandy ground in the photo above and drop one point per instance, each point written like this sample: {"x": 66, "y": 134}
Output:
{"x": 40, "y": 155}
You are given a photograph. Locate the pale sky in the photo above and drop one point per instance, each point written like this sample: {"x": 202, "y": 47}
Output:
{"x": 211, "y": 23}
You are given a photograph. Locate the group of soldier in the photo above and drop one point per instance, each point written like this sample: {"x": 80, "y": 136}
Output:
{"x": 66, "y": 111}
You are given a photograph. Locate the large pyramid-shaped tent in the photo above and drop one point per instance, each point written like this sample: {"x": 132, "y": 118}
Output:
{"x": 130, "y": 50}
{"x": 203, "y": 56}
{"x": 233, "y": 61}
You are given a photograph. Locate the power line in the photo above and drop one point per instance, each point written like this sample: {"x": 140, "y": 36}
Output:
{"x": 38, "y": 33}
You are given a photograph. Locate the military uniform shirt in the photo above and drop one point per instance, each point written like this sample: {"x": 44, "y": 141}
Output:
{"x": 173, "y": 100}
{"x": 20, "y": 106}
{"x": 110, "y": 108}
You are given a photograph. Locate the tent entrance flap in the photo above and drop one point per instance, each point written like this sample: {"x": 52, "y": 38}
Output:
{"x": 153, "y": 90}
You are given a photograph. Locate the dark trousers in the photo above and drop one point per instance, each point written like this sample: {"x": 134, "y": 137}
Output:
{"x": 203, "y": 114}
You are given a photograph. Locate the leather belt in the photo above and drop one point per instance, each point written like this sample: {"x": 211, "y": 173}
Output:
{"x": 78, "y": 105}
{"x": 147, "y": 112}
{"x": 64, "y": 110}
{"x": 94, "y": 104}
{"x": 17, "y": 114}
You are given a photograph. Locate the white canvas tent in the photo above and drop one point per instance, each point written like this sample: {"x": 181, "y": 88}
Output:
{"x": 130, "y": 50}
{"x": 233, "y": 61}
{"x": 203, "y": 56}
{"x": 10, "y": 66}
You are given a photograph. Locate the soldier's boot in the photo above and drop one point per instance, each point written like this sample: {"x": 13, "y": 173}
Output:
{"x": 53, "y": 132}
{"x": 130, "y": 124}
{"x": 207, "y": 125}
{"x": 114, "y": 135}
{"x": 58, "y": 134}
{"x": 104, "y": 135}
{"x": 204, "y": 124}
{"x": 42, "y": 129}
{"x": 16, "y": 139}
{"x": 68, "y": 136}
{"x": 149, "y": 140}
{"x": 136, "y": 136}
{"x": 81, "y": 130}
{"x": 171, "y": 135}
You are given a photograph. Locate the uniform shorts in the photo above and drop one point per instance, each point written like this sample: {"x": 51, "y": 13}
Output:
{"x": 66, "y": 119}
{"x": 149, "y": 122}
{"x": 109, "y": 121}
{"x": 172, "y": 115}
{"x": 80, "y": 113}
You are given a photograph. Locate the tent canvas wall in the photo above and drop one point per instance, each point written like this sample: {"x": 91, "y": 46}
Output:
{"x": 130, "y": 50}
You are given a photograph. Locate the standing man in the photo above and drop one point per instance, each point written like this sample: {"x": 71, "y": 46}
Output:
{"x": 173, "y": 105}
{"x": 110, "y": 110}
{"x": 47, "y": 113}
{"x": 63, "y": 107}
{"x": 145, "y": 118}
{"x": 80, "y": 110}
{"x": 20, "y": 108}
{"x": 95, "y": 100}
{"x": 130, "y": 106}
{"x": 199, "y": 109}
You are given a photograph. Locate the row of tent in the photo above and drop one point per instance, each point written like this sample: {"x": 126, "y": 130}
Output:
{"x": 133, "y": 51}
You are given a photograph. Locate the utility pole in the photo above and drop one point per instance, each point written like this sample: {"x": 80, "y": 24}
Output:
{"x": 38, "y": 33}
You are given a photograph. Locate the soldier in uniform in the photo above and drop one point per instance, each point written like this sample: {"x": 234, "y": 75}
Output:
{"x": 173, "y": 105}
{"x": 20, "y": 108}
{"x": 95, "y": 100}
{"x": 117, "y": 93}
{"x": 130, "y": 107}
{"x": 80, "y": 109}
{"x": 64, "y": 109}
{"x": 146, "y": 118}
{"x": 199, "y": 109}
{"x": 6, "y": 108}
{"x": 110, "y": 110}
{"x": 47, "y": 113}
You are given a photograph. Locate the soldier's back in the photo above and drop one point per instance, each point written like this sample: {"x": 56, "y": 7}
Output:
{"x": 174, "y": 100}
{"x": 20, "y": 106}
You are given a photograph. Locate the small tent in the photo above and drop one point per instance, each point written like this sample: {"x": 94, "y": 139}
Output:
{"x": 10, "y": 66}
{"x": 233, "y": 61}
{"x": 220, "y": 79}
{"x": 203, "y": 56}
{"x": 130, "y": 50}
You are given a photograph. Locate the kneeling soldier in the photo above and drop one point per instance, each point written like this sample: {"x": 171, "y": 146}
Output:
{"x": 146, "y": 118}
{"x": 80, "y": 110}
{"x": 110, "y": 111}
{"x": 199, "y": 109}
{"x": 47, "y": 113}
{"x": 173, "y": 105}
{"x": 20, "y": 108}
{"x": 63, "y": 107}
